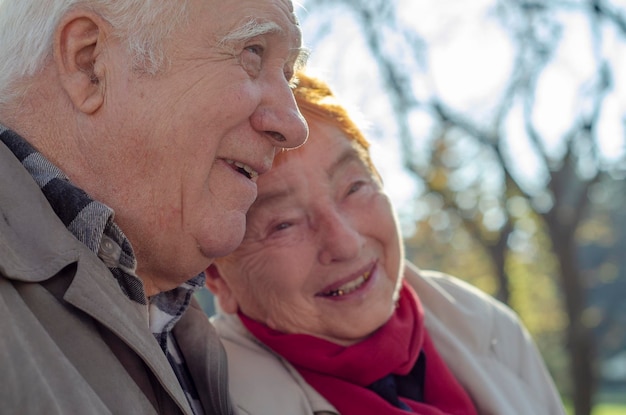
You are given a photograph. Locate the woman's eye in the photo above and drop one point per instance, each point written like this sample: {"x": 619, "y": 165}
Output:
{"x": 282, "y": 226}
{"x": 279, "y": 231}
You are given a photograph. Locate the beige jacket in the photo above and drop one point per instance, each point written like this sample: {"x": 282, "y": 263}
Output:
{"x": 70, "y": 341}
{"x": 481, "y": 340}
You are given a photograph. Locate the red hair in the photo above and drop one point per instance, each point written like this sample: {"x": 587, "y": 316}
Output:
{"x": 315, "y": 97}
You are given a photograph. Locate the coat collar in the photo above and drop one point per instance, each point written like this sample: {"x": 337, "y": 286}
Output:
{"x": 35, "y": 246}
{"x": 34, "y": 243}
{"x": 231, "y": 329}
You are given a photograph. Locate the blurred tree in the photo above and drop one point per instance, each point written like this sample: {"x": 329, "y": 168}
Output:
{"x": 603, "y": 262}
{"x": 518, "y": 172}
{"x": 533, "y": 289}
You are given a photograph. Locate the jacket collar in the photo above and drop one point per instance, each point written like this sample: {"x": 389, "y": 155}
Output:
{"x": 34, "y": 243}
{"x": 35, "y": 246}
{"x": 230, "y": 327}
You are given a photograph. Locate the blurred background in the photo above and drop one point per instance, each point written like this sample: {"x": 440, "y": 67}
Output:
{"x": 499, "y": 130}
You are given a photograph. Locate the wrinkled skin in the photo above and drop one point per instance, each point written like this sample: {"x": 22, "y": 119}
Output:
{"x": 160, "y": 149}
{"x": 320, "y": 224}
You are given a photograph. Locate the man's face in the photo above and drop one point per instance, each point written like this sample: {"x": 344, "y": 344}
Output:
{"x": 322, "y": 253}
{"x": 185, "y": 141}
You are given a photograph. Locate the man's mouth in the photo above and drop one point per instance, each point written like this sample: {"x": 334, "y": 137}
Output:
{"x": 348, "y": 287}
{"x": 244, "y": 169}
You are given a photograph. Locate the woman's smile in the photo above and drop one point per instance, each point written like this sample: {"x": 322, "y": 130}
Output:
{"x": 349, "y": 287}
{"x": 322, "y": 253}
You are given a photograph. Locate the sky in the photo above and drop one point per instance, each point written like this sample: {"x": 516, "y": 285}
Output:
{"x": 470, "y": 57}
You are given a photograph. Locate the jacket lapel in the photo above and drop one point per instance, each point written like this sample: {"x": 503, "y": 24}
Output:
{"x": 206, "y": 359}
{"x": 97, "y": 293}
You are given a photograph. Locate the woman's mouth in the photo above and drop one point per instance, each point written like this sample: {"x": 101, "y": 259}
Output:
{"x": 348, "y": 287}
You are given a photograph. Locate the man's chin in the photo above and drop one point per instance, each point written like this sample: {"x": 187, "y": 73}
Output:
{"x": 223, "y": 243}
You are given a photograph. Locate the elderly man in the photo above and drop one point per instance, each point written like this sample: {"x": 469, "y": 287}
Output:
{"x": 132, "y": 133}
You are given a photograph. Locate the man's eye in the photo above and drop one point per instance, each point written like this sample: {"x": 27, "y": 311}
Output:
{"x": 290, "y": 77}
{"x": 256, "y": 49}
{"x": 252, "y": 60}
{"x": 354, "y": 187}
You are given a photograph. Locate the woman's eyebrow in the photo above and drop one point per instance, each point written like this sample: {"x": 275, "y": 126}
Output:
{"x": 350, "y": 155}
{"x": 270, "y": 198}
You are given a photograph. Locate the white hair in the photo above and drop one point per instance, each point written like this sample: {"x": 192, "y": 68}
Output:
{"x": 250, "y": 29}
{"x": 27, "y": 28}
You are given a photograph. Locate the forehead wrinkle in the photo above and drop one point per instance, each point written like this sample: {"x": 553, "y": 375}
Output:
{"x": 348, "y": 156}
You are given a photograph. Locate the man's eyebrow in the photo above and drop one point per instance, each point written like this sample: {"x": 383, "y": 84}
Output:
{"x": 249, "y": 30}
{"x": 254, "y": 27}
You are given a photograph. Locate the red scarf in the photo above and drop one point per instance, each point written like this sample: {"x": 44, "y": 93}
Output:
{"x": 341, "y": 374}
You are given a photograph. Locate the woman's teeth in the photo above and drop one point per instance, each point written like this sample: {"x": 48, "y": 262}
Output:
{"x": 349, "y": 287}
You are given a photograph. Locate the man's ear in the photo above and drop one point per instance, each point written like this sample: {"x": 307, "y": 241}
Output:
{"x": 219, "y": 287}
{"x": 79, "y": 45}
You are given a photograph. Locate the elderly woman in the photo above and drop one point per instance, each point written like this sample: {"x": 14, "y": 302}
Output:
{"x": 320, "y": 315}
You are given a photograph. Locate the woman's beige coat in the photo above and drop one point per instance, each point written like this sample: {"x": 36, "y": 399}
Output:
{"x": 70, "y": 341}
{"x": 481, "y": 340}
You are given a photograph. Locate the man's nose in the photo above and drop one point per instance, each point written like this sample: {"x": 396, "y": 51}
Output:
{"x": 278, "y": 116}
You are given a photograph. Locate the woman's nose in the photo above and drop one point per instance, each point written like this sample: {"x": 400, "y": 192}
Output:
{"x": 278, "y": 116}
{"x": 339, "y": 239}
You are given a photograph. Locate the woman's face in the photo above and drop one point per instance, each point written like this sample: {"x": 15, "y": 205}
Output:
{"x": 322, "y": 252}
